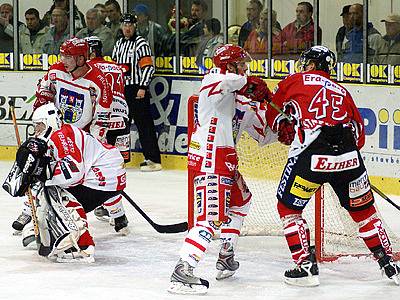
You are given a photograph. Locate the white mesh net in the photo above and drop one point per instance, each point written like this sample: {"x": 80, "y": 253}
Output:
{"x": 262, "y": 168}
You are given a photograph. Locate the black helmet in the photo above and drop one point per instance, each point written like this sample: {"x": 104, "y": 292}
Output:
{"x": 323, "y": 58}
{"x": 95, "y": 45}
{"x": 128, "y": 18}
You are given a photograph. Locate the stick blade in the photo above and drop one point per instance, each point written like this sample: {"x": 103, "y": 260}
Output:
{"x": 172, "y": 228}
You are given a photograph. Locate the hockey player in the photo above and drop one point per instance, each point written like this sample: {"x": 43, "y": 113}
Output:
{"x": 326, "y": 132}
{"x": 119, "y": 128}
{"x": 79, "y": 173}
{"x": 220, "y": 191}
{"x": 80, "y": 91}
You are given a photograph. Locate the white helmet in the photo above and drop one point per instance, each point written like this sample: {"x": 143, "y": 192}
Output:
{"x": 49, "y": 115}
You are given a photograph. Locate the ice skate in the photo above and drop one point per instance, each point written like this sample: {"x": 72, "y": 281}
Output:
{"x": 85, "y": 255}
{"x": 184, "y": 282}
{"x": 149, "y": 166}
{"x": 28, "y": 235}
{"x": 226, "y": 263}
{"x": 305, "y": 274}
{"x": 19, "y": 224}
{"x": 388, "y": 266}
{"x": 101, "y": 214}
{"x": 121, "y": 225}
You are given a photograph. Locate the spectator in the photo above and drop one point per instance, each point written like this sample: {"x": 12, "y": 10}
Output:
{"x": 6, "y": 28}
{"x": 114, "y": 17}
{"x": 353, "y": 50}
{"x": 212, "y": 39}
{"x": 299, "y": 35}
{"x": 32, "y": 36}
{"x": 254, "y": 8}
{"x": 257, "y": 41}
{"x": 388, "y": 47}
{"x": 64, "y": 4}
{"x": 183, "y": 21}
{"x": 153, "y": 32}
{"x": 134, "y": 53}
{"x": 95, "y": 28}
{"x": 57, "y": 34}
{"x": 191, "y": 38}
{"x": 103, "y": 10}
{"x": 341, "y": 34}
{"x": 233, "y": 34}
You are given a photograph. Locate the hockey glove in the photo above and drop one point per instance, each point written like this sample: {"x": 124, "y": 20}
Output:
{"x": 256, "y": 89}
{"x": 31, "y": 159}
{"x": 286, "y": 132}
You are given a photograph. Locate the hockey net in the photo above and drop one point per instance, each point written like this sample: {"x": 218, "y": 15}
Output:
{"x": 332, "y": 230}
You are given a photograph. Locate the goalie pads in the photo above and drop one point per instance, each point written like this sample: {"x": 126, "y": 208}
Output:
{"x": 256, "y": 89}
{"x": 60, "y": 227}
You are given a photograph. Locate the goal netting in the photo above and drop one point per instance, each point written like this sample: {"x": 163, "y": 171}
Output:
{"x": 332, "y": 230}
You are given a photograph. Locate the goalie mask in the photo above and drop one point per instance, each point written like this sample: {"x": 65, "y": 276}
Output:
{"x": 323, "y": 58}
{"x": 46, "y": 120}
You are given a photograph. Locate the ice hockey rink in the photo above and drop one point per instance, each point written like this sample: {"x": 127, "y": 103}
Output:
{"x": 138, "y": 266}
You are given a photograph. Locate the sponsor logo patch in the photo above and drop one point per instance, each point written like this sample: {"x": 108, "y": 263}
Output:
{"x": 303, "y": 188}
{"x": 360, "y": 201}
{"x": 359, "y": 186}
{"x": 194, "y": 145}
{"x": 330, "y": 163}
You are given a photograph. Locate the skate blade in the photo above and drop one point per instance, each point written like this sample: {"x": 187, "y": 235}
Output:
{"x": 28, "y": 240}
{"x": 224, "y": 274}
{"x": 305, "y": 281}
{"x": 75, "y": 260}
{"x": 17, "y": 232}
{"x": 187, "y": 289}
{"x": 124, "y": 231}
{"x": 103, "y": 218}
{"x": 396, "y": 279}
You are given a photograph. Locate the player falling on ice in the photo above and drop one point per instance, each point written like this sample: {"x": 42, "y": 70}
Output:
{"x": 71, "y": 173}
{"x": 220, "y": 191}
{"x": 326, "y": 133}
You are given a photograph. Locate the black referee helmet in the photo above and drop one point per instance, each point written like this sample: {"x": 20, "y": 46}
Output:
{"x": 128, "y": 18}
{"x": 95, "y": 45}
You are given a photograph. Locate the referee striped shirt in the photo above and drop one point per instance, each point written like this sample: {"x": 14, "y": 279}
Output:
{"x": 135, "y": 55}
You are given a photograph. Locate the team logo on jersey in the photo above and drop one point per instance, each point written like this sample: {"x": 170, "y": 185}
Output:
{"x": 330, "y": 163}
{"x": 71, "y": 105}
{"x": 303, "y": 188}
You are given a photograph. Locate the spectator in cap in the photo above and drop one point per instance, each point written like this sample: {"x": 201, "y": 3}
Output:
{"x": 353, "y": 49}
{"x": 388, "y": 46}
{"x": 153, "y": 32}
{"x": 341, "y": 34}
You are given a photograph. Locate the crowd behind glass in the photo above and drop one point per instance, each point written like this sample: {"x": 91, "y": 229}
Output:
{"x": 201, "y": 29}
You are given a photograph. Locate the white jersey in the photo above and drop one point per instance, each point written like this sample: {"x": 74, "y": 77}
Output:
{"x": 115, "y": 78}
{"x": 212, "y": 146}
{"x": 84, "y": 102}
{"x": 250, "y": 117}
{"x": 82, "y": 159}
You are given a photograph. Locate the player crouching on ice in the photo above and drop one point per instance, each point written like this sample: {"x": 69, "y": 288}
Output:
{"x": 221, "y": 193}
{"x": 326, "y": 129}
{"x": 70, "y": 173}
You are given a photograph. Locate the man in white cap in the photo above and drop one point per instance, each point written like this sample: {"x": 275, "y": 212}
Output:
{"x": 388, "y": 47}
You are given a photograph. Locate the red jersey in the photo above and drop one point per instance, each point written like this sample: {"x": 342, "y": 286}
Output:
{"x": 314, "y": 101}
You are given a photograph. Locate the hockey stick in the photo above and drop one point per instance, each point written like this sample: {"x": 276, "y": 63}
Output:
{"x": 380, "y": 193}
{"x": 172, "y": 228}
{"x": 11, "y": 104}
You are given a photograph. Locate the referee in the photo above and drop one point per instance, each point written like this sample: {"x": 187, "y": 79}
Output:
{"x": 133, "y": 52}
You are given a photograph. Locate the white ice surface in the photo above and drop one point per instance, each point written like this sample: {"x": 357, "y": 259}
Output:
{"x": 139, "y": 266}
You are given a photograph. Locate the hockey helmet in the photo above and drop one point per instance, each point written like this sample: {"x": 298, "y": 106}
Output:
{"x": 75, "y": 47}
{"x": 230, "y": 54}
{"x": 50, "y": 116}
{"x": 128, "y": 18}
{"x": 323, "y": 58}
{"x": 95, "y": 45}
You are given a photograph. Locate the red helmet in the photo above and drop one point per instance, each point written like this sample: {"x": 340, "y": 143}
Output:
{"x": 229, "y": 54}
{"x": 75, "y": 47}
